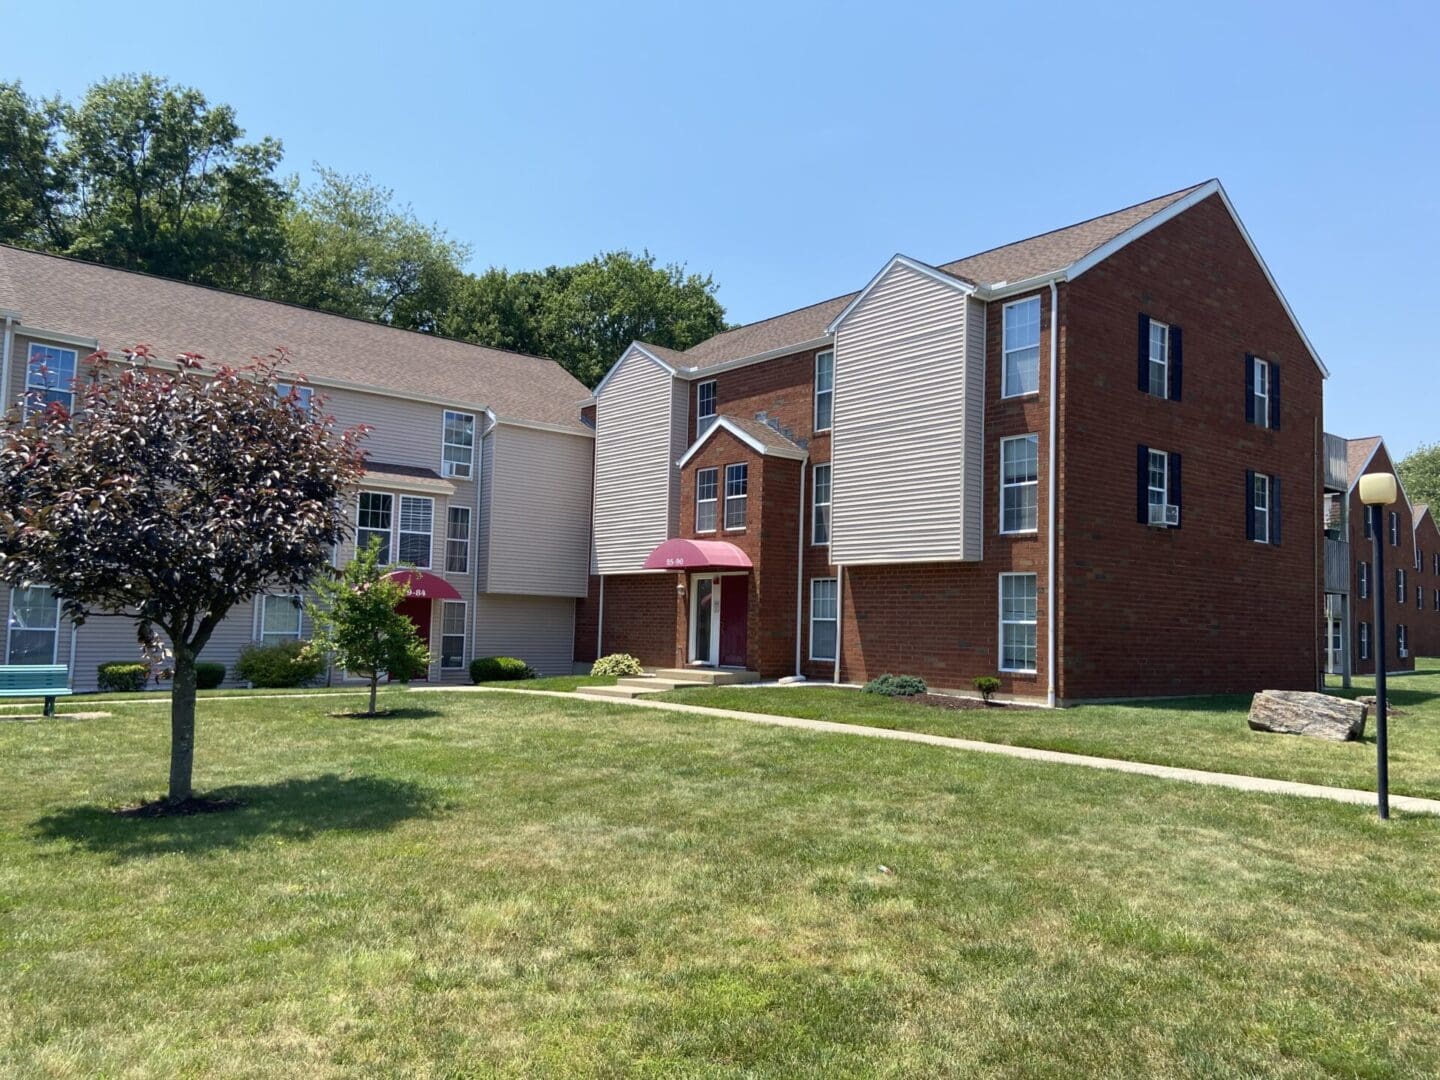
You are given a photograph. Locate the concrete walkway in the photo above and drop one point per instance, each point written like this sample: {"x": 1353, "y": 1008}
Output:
{"x": 1237, "y": 781}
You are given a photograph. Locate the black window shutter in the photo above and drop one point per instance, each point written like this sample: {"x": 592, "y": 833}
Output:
{"x": 1175, "y": 486}
{"x": 1249, "y": 505}
{"x": 1176, "y": 363}
{"x": 1274, "y": 395}
{"x": 1144, "y": 353}
{"x": 1275, "y": 510}
{"x": 1142, "y": 485}
{"x": 1249, "y": 389}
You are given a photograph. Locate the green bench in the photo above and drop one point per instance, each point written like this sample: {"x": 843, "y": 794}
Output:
{"x": 35, "y": 680}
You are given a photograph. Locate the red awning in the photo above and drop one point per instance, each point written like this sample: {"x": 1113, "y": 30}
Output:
{"x": 422, "y": 585}
{"x": 697, "y": 555}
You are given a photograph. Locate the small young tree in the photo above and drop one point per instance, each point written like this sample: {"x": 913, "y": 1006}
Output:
{"x": 170, "y": 496}
{"x": 357, "y": 623}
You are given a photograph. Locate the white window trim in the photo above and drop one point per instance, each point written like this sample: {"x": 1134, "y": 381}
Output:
{"x": 811, "y": 643}
{"x": 26, "y": 389}
{"x": 1262, "y": 401}
{"x": 401, "y": 531}
{"x": 1164, "y": 487}
{"x": 1009, "y": 485}
{"x": 1006, "y": 350}
{"x": 448, "y": 468}
{"x": 463, "y": 635}
{"x": 1362, "y": 584}
{"x": 1394, "y": 529}
{"x": 1261, "y": 514}
{"x": 293, "y": 599}
{"x": 700, "y": 418}
{"x": 1362, "y": 639}
{"x": 1402, "y": 641}
{"x": 728, "y": 498}
{"x": 390, "y": 551}
{"x": 1164, "y": 362}
{"x": 713, "y": 500}
{"x": 816, "y": 504}
{"x": 10, "y": 626}
{"x": 1003, "y": 622}
{"x": 304, "y": 395}
{"x": 831, "y": 392}
{"x": 469, "y": 527}
{"x": 1400, "y": 585}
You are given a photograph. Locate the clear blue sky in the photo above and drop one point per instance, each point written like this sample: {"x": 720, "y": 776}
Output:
{"x": 790, "y": 148}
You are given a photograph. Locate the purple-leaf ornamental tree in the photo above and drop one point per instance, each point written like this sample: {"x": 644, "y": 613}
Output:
{"x": 171, "y": 494}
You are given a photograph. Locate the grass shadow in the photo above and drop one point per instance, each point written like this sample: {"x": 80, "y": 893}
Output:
{"x": 388, "y": 714}
{"x": 295, "y": 809}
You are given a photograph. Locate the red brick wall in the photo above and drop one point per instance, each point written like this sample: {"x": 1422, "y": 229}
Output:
{"x": 1197, "y": 609}
{"x": 1362, "y": 549}
{"x": 640, "y": 618}
{"x": 1426, "y": 636}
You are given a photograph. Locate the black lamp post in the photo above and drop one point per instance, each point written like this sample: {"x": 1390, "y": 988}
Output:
{"x": 1377, "y": 491}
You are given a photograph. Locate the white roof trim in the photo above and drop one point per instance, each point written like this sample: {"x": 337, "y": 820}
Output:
{"x": 636, "y": 348}
{"x": 745, "y": 437}
{"x": 1396, "y": 473}
{"x": 931, "y": 272}
{"x": 538, "y": 425}
{"x": 1178, "y": 207}
{"x": 697, "y": 372}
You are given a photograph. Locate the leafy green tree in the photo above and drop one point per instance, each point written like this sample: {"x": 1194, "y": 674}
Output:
{"x": 1420, "y": 472}
{"x": 357, "y": 624}
{"x": 33, "y": 184}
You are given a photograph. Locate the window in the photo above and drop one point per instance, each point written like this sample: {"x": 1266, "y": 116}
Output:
{"x": 824, "y": 618}
{"x": 1420, "y": 597}
{"x": 1435, "y": 564}
{"x": 417, "y": 523}
{"x": 1369, "y": 521}
{"x": 737, "y": 486}
{"x": 1158, "y": 487}
{"x": 50, "y": 377}
{"x": 301, "y": 395}
{"x": 457, "y": 540}
{"x": 1363, "y": 641}
{"x": 1017, "y": 622}
{"x": 458, "y": 453}
{"x": 1019, "y": 483}
{"x": 707, "y": 482}
{"x": 1261, "y": 391}
{"x": 824, "y": 390}
{"x": 452, "y": 634}
{"x": 1260, "y": 508}
{"x": 1402, "y": 640}
{"x": 374, "y": 521}
{"x": 820, "y": 512}
{"x": 1362, "y": 579}
{"x": 704, "y": 406}
{"x": 1400, "y": 586}
{"x": 1020, "y": 359}
{"x": 34, "y": 630}
{"x": 279, "y": 619}
{"x": 1159, "y": 367}
{"x": 1394, "y": 529}
{"x": 1436, "y": 599}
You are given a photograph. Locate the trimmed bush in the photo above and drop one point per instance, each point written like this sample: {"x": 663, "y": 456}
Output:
{"x": 897, "y": 685}
{"x": 497, "y": 668}
{"x": 208, "y": 675}
{"x": 987, "y": 685}
{"x": 617, "y": 664}
{"x": 280, "y": 665}
{"x": 122, "y": 675}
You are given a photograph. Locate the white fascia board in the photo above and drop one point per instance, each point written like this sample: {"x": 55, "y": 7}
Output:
{"x": 962, "y": 287}
{"x": 1006, "y": 289}
{"x": 537, "y": 425}
{"x": 745, "y": 437}
{"x": 635, "y": 349}
{"x": 694, "y": 374}
{"x": 1178, "y": 207}
{"x": 57, "y": 336}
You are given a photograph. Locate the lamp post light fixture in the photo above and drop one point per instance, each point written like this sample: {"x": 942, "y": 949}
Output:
{"x": 1378, "y": 490}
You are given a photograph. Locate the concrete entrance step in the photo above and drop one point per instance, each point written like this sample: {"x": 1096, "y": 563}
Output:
{"x": 624, "y": 693}
{"x": 708, "y": 676}
{"x": 633, "y": 686}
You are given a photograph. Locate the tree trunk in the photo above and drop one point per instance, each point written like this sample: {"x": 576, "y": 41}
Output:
{"x": 374, "y": 686}
{"x": 182, "y": 725}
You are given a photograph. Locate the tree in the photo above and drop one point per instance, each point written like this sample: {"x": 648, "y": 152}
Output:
{"x": 170, "y": 496}
{"x": 33, "y": 185}
{"x": 1420, "y": 473}
{"x": 357, "y": 623}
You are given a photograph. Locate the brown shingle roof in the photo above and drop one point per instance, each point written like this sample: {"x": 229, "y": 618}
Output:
{"x": 382, "y": 472}
{"x": 1357, "y": 453}
{"x": 121, "y": 308}
{"x": 768, "y": 437}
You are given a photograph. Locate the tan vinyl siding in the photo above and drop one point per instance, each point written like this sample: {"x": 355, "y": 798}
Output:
{"x": 905, "y": 449}
{"x": 974, "y": 408}
{"x": 636, "y": 493}
{"x": 538, "y": 629}
{"x": 539, "y": 514}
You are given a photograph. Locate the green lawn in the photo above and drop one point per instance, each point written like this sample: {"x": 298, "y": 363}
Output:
{"x": 494, "y": 884}
{"x": 1200, "y": 733}
{"x": 556, "y": 682}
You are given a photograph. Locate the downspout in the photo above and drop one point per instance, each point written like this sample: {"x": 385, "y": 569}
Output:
{"x": 475, "y": 541}
{"x": 1050, "y": 513}
{"x": 600, "y": 620}
{"x": 800, "y": 574}
{"x": 839, "y": 618}
{"x": 5, "y": 361}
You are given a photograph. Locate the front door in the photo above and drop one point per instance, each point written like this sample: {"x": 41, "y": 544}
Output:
{"x": 417, "y": 610}
{"x": 703, "y": 630}
{"x": 734, "y": 614}
{"x": 1336, "y": 641}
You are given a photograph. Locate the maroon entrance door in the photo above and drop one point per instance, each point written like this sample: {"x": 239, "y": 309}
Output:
{"x": 734, "y": 610}
{"x": 417, "y": 610}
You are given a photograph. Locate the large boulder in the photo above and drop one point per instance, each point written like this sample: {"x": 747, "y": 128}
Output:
{"x": 1299, "y": 712}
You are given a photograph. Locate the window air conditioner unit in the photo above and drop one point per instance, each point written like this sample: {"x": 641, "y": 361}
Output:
{"x": 1166, "y": 515}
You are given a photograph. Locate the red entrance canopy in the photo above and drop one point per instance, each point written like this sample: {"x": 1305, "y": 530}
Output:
{"x": 697, "y": 555}
{"x": 422, "y": 585}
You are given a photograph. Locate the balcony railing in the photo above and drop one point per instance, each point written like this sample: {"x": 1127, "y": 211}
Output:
{"x": 1337, "y": 566}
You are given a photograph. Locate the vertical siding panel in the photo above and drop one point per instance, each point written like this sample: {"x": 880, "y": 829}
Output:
{"x": 538, "y": 629}
{"x": 540, "y": 513}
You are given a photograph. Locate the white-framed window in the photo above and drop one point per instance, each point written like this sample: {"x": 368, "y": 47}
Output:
{"x": 280, "y": 618}
{"x": 452, "y": 634}
{"x": 33, "y": 633}
{"x": 1157, "y": 480}
{"x": 1435, "y": 563}
{"x": 1261, "y": 392}
{"x": 1420, "y": 597}
{"x": 302, "y": 396}
{"x": 737, "y": 492}
{"x": 375, "y": 520}
{"x": 417, "y": 528}
{"x": 50, "y": 377}
{"x": 1159, "y": 359}
{"x": 457, "y": 454}
{"x": 1260, "y": 508}
{"x": 1020, "y": 347}
{"x": 457, "y": 540}
{"x": 1017, "y": 622}
{"x": 1394, "y": 529}
{"x": 820, "y": 504}
{"x": 824, "y": 617}
{"x": 824, "y": 389}
{"x": 1436, "y": 599}
{"x": 1020, "y": 484}
{"x": 1362, "y": 579}
{"x": 1402, "y": 640}
{"x": 707, "y": 494}
{"x": 1363, "y": 640}
{"x": 704, "y": 407}
{"x": 1400, "y": 586}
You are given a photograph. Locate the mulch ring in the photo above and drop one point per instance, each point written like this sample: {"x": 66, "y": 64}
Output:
{"x": 161, "y": 808}
{"x": 946, "y": 701}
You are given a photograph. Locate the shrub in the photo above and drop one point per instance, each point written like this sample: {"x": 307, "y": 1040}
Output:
{"x": 617, "y": 664}
{"x": 987, "y": 685}
{"x": 897, "y": 685}
{"x": 286, "y": 663}
{"x": 207, "y": 675}
{"x": 117, "y": 675}
{"x": 493, "y": 668}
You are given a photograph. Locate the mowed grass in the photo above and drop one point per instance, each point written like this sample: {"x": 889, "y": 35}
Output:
{"x": 1198, "y": 733}
{"x": 501, "y": 885}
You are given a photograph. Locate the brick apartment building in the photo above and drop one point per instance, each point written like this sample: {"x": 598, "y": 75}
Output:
{"x": 1087, "y": 463}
